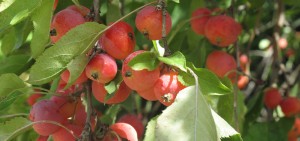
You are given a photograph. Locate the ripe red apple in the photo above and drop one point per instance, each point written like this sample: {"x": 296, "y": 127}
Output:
{"x": 66, "y": 74}
{"x": 149, "y": 22}
{"x": 147, "y": 94}
{"x": 64, "y": 135}
{"x": 167, "y": 87}
{"x": 290, "y": 106}
{"x": 42, "y": 138}
{"x": 46, "y": 110}
{"x": 101, "y": 68}
{"x": 118, "y": 41}
{"x": 222, "y": 30}
{"x": 221, "y": 64}
{"x": 125, "y": 130}
{"x": 135, "y": 122}
{"x": 272, "y": 97}
{"x": 120, "y": 95}
{"x": 138, "y": 80}
{"x": 199, "y": 18}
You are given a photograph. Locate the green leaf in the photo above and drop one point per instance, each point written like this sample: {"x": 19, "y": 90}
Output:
{"x": 113, "y": 86}
{"x": 190, "y": 116}
{"x": 8, "y": 41}
{"x": 13, "y": 127}
{"x": 55, "y": 59}
{"x": 186, "y": 78}
{"x": 110, "y": 114}
{"x": 76, "y": 68}
{"x": 177, "y": 59}
{"x": 6, "y": 101}
{"x": 146, "y": 60}
{"x": 14, "y": 64}
{"x": 10, "y": 82}
{"x": 113, "y": 11}
{"x": 41, "y": 18}
{"x": 158, "y": 49}
{"x": 76, "y": 2}
{"x": 177, "y": 1}
{"x": 225, "y": 131}
{"x": 150, "y": 129}
{"x": 16, "y": 12}
{"x": 210, "y": 83}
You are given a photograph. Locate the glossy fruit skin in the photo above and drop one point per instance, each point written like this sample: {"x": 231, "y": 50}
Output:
{"x": 125, "y": 130}
{"x": 167, "y": 87}
{"x": 64, "y": 135}
{"x": 290, "y": 106}
{"x": 101, "y": 68}
{"x": 272, "y": 97}
{"x": 118, "y": 41}
{"x": 200, "y": 17}
{"x": 65, "y": 20}
{"x": 45, "y": 110}
{"x": 66, "y": 74}
{"x": 135, "y": 122}
{"x": 149, "y": 22}
{"x": 120, "y": 95}
{"x": 221, "y": 63}
{"x": 34, "y": 97}
{"x": 147, "y": 94}
{"x": 222, "y": 30}
{"x": 138, "y": 80}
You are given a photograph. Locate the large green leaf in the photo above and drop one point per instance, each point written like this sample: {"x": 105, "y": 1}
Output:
{"x": 16, "y": 12}
{"x": 13, "y": 127}
{"x": 41, "y": 18}
{"x": 146, "y": 60}
{"x": 10, "y": 82}
{"x": 150, "y": 130}
{"x": 6, "y": 101}
{"x": 14, "y": 64}
{"x": 188, "y": 118}
{"x": 55, "y": 59}
{"x": 225, "y": 131}
{"x": 8, "y": 41}
{"x": 113, "y": 11}
{"x": 177, "y": 59}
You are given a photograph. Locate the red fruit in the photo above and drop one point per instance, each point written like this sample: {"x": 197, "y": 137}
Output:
{"x": 272, "y": 98}
{"x": 199, "y": 18}
{"x": 66, "y": 74}
{"x": 82, "y": 10}
{"x": 118, "y": 41}
{"x": 65, "y": 20}
{"x": 55, "y": 4}
{"x": 45, "y": 110}
{"x": 120, "y": 95}
{"x": 242, "y": 82}
{"x": 125, "y": 130}
{"x": 149, "y": 22}
{"x": 135, "y": 122}
{"x": 148, "y": 94}
{"x": 63, "y": 135}
{"x": 102, "y": 68}
{"x": 282, "y": 43}
{"x": 167, "y": 87}
{"x": 42, "y": 138}
{"x": 244, "y": 59}
{"x": 221, "y": 64}
{"x": 138, "y": 80}
{"x": 290, "y": 106}
{"x": 34, "y": 97}
{"x": 66, "y": 103}
{"x": 222, "y": 30}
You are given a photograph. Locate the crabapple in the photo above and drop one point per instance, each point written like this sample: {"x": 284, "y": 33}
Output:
{"x": 120, "y": 95}
{"x": 149, "y": 22}
{"x": 199, "y": 18}
{"x": 272, "y": 97}
{"x": 118, "y": 41}
{"x": 34, "y": 97}
{"x": 66, "y": 74}
{"x": 125, "y": 130}
{"x": 242, "y": 82}
{"x": 45, "y": 110}
{"x": 134, "y": 121}
{"x": 101, "y": 68}
{"x": 42, "y": 138}
{"x": 221, "y": 64}
{"x": 138, "y": 80}
{"x": 167, "y": 87}
{"x": 147, "y": 94}
{"x": 282, "y": 43}
{"x": 290, "y": 106}
{"x": 65, "y": 20}
{"x": 64, "y": 135}
{"x": 222, "y": 30}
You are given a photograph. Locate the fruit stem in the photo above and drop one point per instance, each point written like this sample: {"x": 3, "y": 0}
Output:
{"x": 235, "y": 88}
{"x": 162, "y": 6}
{"x": 96, "y": 10}
{"x": 86, "y": 133}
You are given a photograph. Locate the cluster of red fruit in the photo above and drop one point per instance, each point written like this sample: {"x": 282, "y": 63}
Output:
{"x": 290, "y": 106}
{"x": 116, "y": 43}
